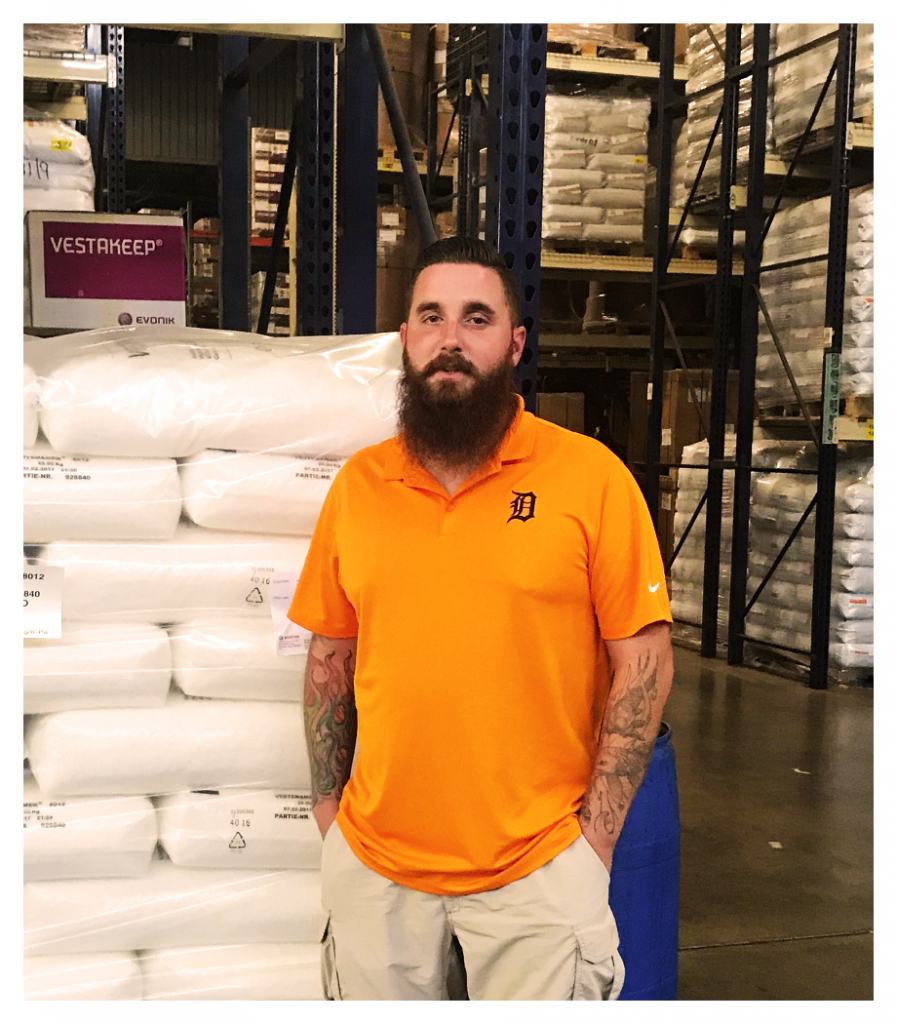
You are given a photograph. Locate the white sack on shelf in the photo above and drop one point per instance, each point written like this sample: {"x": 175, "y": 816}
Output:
{"x": 614, "y": 198}
{"x": 113, "y": 666}
{"x": 188, "y": 744}
{"x": 558, "y": 157}
{"x": 174, "y": 391}
{"x": 86, "y": 837}
{"x": 566, "y": 195}
{"x": 283, "y": 970}
{"x": 30, "y": 426}
{"x": 583, "y": 214}
{"x": 172, "y": 906}
{"x": 556, "y": 176}
{"x": 853, "y": 606}
{"x": 236, "y": 659}
{"x": 55, "y": 142}
{"x": 197, "y": 573}
{"x": 256, "y": 492}
{"x": 83, "y": 497}
{"x": 94, "y": 976}
{"x": 240, "y": 828}
{"x": 613, "y": 232}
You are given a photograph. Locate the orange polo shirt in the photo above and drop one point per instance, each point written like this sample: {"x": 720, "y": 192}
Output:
{"x": 481, "y": 673}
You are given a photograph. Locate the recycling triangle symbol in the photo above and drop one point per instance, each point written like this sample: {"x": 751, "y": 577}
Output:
{"x": 255, "y": 596}
{"x": 238, "y": 842}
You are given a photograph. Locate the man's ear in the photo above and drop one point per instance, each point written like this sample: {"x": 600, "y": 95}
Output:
{"x": 518, "y": 339}
{"x": 403, "y": 332}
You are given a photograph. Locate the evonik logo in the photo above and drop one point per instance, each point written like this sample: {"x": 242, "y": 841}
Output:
{"x": 78, "y": 245}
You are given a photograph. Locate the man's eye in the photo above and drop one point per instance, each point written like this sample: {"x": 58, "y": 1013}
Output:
{"x": 478, "y": 320}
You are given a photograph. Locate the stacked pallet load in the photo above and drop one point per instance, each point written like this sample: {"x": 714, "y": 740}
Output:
{"x": 706, "y": 67}
{"x": 57, "y": 166}
{"x": 174, "y": 476}
{"x": 687, "y": 570}
{"x": 797, "y": 81}
{"x": 795, "y": 299}
{"x": 782, "y": 612}
{"x": 269, "y": 158}
{"x": 596, "y": 146}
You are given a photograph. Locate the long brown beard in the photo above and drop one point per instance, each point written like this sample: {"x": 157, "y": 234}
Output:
{"x": 456, "y": 428}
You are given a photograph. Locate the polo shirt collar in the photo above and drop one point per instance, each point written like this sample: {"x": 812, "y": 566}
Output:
{"x": 517, "y": 445}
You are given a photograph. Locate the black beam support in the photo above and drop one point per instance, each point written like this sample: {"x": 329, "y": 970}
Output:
{"x": 233, "y": 187}
{"x": 262, "y": 54}
{"x": 116, "y": 196}
{"x": 722, "y": 333}
{"x": 834, "y": 323}
{"x": 410, "y": 173}
{"x": 753, "y": 251}
{"x": 516, "y": 134}
{"x": 666, "y": 92}
{"x": 357, "y": 186}
{"x": 314, "y": 199}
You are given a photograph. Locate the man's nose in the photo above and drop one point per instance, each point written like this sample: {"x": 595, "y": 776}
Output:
{"x": 450, "y": 338}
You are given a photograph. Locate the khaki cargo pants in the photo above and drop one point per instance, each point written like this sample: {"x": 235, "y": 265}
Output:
{"x": 550, "y": 935}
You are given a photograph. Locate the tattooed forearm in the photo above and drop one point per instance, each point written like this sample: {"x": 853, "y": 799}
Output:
{"x": 638, "y": 691}
{"x": 331, "y": 719}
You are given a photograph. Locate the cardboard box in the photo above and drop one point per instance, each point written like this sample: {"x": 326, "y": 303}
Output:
{"x": 566, "y": 408}
{"x": 89, "y": 270}
{"x": 680, "y": 422}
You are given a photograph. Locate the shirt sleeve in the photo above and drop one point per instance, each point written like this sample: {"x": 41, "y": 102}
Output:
{"x": 626, "y": 572}
{"x": 319, "y": 602}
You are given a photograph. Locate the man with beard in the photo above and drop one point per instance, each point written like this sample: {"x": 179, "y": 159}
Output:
{"x": 490, "y": 623}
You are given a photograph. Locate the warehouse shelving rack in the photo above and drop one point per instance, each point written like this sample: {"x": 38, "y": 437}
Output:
{"x": 845, "y": 137}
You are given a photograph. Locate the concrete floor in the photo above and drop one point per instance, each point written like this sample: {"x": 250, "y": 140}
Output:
{"x": 764, "y": 760}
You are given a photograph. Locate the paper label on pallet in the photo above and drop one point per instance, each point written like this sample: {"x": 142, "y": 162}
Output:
{"x": 666, "y": 437}
{"x": 43, "y": 602}
{"x": 289, "y": 638}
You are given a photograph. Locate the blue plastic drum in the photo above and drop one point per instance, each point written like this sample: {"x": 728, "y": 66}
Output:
{"x": 644, "y": 883}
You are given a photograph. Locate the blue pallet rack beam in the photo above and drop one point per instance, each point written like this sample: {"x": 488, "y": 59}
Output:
{"x": 315, "y": 178}
{"x": 357, "y": 186}
{"x": 515, "y": 153}
{"x": 744, "y": 432}
{"x": 233, "y": 184}
{"x": 410, "y": 173}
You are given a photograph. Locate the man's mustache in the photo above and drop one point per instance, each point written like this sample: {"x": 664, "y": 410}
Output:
{"x": 449, "y": 363}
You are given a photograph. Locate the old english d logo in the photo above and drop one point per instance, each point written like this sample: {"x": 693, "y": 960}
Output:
{"x": 523, "y": 506}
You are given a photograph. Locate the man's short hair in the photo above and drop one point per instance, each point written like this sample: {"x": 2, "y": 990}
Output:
{"x": 461, "y": 249}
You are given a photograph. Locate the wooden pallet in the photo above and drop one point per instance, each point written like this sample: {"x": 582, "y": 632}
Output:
{"x": 589, "y": 247}
{"x": 637, "y": 52}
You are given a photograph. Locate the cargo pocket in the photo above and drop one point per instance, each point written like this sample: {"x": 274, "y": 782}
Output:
{"x": 329, "y": 977}
{"x": 596, "y": 976}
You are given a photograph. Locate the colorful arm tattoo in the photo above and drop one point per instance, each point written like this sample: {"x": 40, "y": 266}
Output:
{"x": 331, "y": 719}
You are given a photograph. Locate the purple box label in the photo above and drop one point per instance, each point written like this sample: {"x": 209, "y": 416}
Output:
{"x": 114, "y": 261}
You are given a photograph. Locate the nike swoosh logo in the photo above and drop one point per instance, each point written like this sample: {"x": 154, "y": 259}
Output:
{"x": 654, "y": 588}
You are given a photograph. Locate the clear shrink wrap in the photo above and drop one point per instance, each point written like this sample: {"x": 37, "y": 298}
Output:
{"x": 247, "y": 828}
{"x": 172, "y": 392}
{"x": 171, "y": 906}
{"x": 209, "y": 455}
{"x": 83, "y": 976}
{"x": 30, "y": 424}
{"x": 186, "y": 744}
{"x": 196, "y": 573}
{"x": 86, "y": 837}
{"x": 113, "y": 665}
{"x": 282, "y": 970}
{"x": 57, "y": 167}
{"x": 233, "y": 659}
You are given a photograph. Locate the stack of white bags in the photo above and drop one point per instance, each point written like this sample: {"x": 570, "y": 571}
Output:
{"x": 595, "y": 165}
{"x": 687, "y": 570}
{"x": 795, "y": 297}
{"x": 170, "y": 850}
{"x": 57, "y": 167}
{"x": 797, "y": 81}
{"x": 782, "y": 612}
